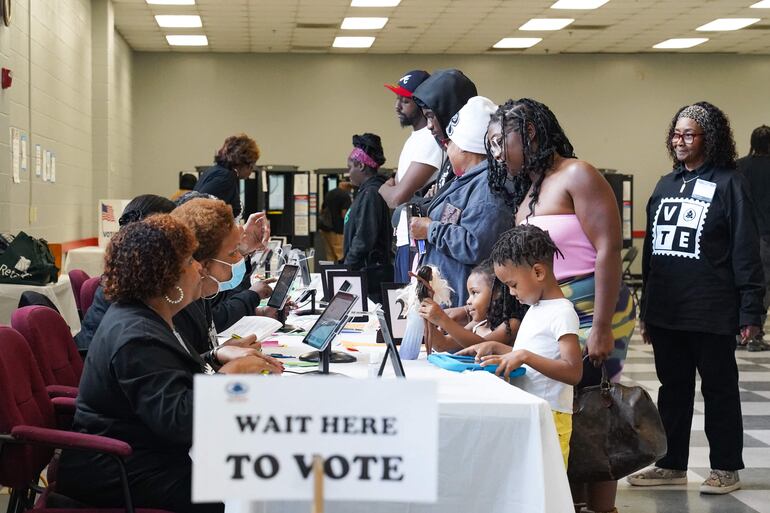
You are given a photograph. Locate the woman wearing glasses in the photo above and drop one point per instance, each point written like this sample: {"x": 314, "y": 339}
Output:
{"x": 530, "y": 153}
{"x": 702, "y": 285}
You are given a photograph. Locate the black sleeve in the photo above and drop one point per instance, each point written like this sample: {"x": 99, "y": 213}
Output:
{"x": 92, "y": 320}
{"x": 366, "y": 234}
{"x": 747, "y": 266}
{"x": 159, "y": 388}
{"x": 229, "y": 308}
{"x": 218, "y": 184}
{"x": 646, "y": 254}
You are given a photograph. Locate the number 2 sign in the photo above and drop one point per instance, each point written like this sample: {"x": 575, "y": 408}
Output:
{"x": 395, "y": 309}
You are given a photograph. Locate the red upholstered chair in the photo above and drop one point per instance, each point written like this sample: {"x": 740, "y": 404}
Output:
{"x": 87, "y": 292}
{"x": 77, "y": 278}
{"x": 29, "y": 434}
{"x": 52, "y": 344}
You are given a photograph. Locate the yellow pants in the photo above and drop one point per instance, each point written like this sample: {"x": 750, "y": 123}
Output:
{"x": 563, "y": 423}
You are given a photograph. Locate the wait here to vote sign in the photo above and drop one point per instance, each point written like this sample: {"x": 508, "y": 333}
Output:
{"x": 254, "y": 438}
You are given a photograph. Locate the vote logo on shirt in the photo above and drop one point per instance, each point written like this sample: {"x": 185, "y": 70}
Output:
{"x": 677, "y": 227}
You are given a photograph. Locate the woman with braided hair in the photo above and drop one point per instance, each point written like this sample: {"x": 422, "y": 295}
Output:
{"x": 568, "y": 197}
{"x": 703, "y": 284}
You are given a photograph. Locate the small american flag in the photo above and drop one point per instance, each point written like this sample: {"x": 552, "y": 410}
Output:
{"x": 108, "y": 214}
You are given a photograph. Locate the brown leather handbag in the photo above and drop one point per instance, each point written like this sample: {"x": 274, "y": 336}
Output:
{"x": 616, "y": 430}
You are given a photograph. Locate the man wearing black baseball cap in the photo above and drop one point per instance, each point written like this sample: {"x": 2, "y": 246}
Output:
{"x": 418, "y": 165}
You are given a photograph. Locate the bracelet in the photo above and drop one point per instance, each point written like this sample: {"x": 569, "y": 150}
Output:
{"x": 214, "y": 355}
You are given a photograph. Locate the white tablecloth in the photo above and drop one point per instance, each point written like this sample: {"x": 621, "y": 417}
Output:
{"x": 90, "y": 259}
{"x": 499, "y": 452}
{"x": 60, "y": 293}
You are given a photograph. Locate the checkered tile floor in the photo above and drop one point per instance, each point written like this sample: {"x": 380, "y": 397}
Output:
{"x": 754, "y": 497}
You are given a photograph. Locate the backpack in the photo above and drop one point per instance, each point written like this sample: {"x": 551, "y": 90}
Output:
{"x": 25, "y": 260}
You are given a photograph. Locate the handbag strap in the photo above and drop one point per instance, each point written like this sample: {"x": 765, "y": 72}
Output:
{"x": 606, "y": 384}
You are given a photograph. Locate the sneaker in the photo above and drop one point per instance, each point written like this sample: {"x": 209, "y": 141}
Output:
{"x": 657, "y": 476}
{"x": 720, "y": 482}
{"x": 757, "y": 345}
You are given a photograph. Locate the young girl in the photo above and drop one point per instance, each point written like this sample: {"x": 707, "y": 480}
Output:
{"x": 489, "y": 314}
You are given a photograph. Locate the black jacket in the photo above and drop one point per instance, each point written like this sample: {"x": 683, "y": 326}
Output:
{"x": 225, "y": 310}
{"x": 368, "y": 235}
{"x": 756, "y": 169}
{"x": 222, "y": 183}
{"x": 137, "y": 386}
{"x": 700, "y": 262}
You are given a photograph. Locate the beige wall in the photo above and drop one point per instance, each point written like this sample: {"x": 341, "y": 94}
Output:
{"x": 302, "y": 109}
{"x": 49, "y": 51}
{"x": 71, "y": 70}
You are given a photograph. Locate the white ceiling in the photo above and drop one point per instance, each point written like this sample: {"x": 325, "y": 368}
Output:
{"x": 445, "y": 26}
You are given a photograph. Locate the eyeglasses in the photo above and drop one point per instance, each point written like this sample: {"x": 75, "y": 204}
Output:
{"x": 496, "y": 145}
{"x": 687, "y": 138}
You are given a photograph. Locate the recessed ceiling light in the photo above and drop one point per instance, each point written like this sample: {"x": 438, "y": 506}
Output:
{"x": 764, "y": 4}
{"x": 727, "y": 24}
{"x": 171, "y": 2}
{"x": 178, "y": 21}
{"x": 187, "y": 40}
{"x": 374, "y": 3}
{"x": 579, "y": 4}
{"x": 687, "y": 42}
{"x": 363, "y": 23}
{"x": 352, "y": 42}
{"x": 517, "y": 42}
{"x": 546, "y": 24}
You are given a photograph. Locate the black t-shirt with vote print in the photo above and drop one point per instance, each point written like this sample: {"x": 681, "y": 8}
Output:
{"x": 700, "y": 262}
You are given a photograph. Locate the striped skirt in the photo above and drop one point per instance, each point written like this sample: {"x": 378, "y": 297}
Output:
{"x": 580, "y": 290}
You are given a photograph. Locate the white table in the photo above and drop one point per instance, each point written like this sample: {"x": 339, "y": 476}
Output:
{"x": 60, "y": 293}
{"x": 498, "y": 448}
{"x": 90, "y": 259}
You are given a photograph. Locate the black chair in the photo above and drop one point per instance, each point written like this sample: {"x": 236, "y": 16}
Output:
{"x": 631, "y": 280}
{"x": 32, "y": 298}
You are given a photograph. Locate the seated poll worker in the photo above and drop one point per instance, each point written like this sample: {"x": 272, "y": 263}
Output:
{"x": 235, "y": 297}
{"x": 137, "y": 209}
{"x": 226, "y": 308}
{"x": 137, "y": 382}
{"x": 223, "y": 268}
{"x": 465, "y": 218}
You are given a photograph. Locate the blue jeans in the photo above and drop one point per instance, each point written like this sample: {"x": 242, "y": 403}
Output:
{"x": 403, "y": 264}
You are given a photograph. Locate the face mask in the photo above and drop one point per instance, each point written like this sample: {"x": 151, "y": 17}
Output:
{"x": 238, "y": 271}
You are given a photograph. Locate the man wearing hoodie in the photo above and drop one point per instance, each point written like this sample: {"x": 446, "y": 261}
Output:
{"x": 418, "y": 166}
{"x": 368, "y": 233}
{"x": 441, "y": 97}
{"x": 465, "y": 218}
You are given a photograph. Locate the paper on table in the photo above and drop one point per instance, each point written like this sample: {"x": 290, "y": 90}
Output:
{"x": 262, "y": 327}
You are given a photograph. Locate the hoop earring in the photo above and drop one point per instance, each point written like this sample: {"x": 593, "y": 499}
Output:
{"x": 177, "y": 301}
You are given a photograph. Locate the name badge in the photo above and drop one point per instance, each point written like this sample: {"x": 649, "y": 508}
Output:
{"x": 704, "y": 190}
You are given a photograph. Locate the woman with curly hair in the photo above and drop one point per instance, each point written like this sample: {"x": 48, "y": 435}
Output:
{"x": 234, "y": 161}
{"x": 702, "y": 285}
{"x": 137, "y": 383}
{"x": 223, "y": 269}
{"x": 368, "y": 232}
{"x": 534, "y": 167}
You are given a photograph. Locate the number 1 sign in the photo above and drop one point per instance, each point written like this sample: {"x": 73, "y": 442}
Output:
{"x": 395, "y": 309}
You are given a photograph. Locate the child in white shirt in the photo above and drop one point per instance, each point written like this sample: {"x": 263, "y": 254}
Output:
{"x": 547, "y": 341}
